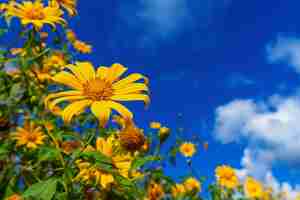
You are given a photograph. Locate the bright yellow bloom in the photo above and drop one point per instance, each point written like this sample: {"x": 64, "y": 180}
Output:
{"x": 35, "y": 13}
{"x": 30, "y": 136}
{"x": 69, "y": 5}
{"x": 101, "y": 91}
{"x": 70, "y": 35}
{"x": 253, "y": 188}
{"x": 177, "y": 190}
{"x": 187, "y": 149}
{"x": 226, "y": 177}
{"x": 192, "y": 185}
{"x": 56, "y": 60}
{"x": 155, "y": 191}
{"x": 82, "y": 47}
{"x": 163, "y": 133}
{"x": 155, "y": 125}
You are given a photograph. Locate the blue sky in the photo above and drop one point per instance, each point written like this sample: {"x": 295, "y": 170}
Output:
{"x": 230, "y": 67}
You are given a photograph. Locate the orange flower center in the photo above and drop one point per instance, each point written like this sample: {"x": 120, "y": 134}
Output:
{"x": 98, "y": 89}
{"x": 32, "y": 138}
{"x": 36, "y": 14}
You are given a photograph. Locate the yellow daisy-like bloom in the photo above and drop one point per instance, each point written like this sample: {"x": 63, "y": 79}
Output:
{"x": 69, "y": 5}
{"x": 187, "y": 149}
{"x": 192, "y": 185}
{"x": 163, "y": 133}
{"x": 155, "y": 125}
{"x": 56, "y": 60}
{"x": 35, "y": 13}
{"x": 30, "y": 136}
{"x": 253, "y": 188}
{"x": 82, "y": 47}
{"x": 155, "y": 191}
{"x": 100, "y": 90}
{"x": 70, "y": 35}
{"x": 177, "y": 190}
{"x": 226, "y": 177}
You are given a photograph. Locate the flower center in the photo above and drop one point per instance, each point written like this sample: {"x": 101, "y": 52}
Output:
{"x": 35, "y": 14}
{"x": 98, "y": 89}
{"x": 32, "y": 138}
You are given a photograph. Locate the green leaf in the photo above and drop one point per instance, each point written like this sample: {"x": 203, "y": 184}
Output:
{"x": 44, "y": 190}
{"x": 17, "y": 91}
{"x": 48, "y": 153}
{"x": 141, "y": 161}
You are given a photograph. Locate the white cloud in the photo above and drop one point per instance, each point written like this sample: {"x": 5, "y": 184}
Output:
{"x": 285, "y": 50}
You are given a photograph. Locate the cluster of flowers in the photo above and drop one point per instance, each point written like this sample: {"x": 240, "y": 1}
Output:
{"x": 47, "y": 96}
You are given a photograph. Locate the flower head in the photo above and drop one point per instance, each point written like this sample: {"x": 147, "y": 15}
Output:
{"x": 177, "y": 190}
{"x": 155, "y": 125}
{"x": 226, "y": 177}
{"x": 253, "y": 188}
{"x": 163, "y": 133}
{"x": 56, "y": 60}
{"x": 101, "y": 91}
{"x": 187, "y": 149}
{"x": 155, "y": 191}
{"x": 35, "y": 13}
{"x": 30, "y": 136}
{"x": 192, "y": 185}
{"x": 82, "y": 47}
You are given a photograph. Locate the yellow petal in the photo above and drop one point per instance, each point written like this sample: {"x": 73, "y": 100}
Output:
{"x": 74, "y": 108}
{"x": 87, "y": 70}
{"x": 106, "y": 179}
{"x": 102, "y": 72}
{"x": 61, "y": 94}
{"x": 68, "y": 79}
{"x": 130, "y": 79}
{"x": 132, "y": 97}
{"x": 132, "y": 88}
{"x": 120, "y": 109}
{"x": 53, "y": 104}
{"x": 102, "y": 111}
{"x": 115, "y": 71}
{"x": 78, "y": 73}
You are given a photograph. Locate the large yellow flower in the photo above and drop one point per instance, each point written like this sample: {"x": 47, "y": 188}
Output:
{"x": 69, "y": 5}
{"x": 187, "y": 149}
{"x": 100, "y": 90}
{"x": 35, "y": 13}
{"x": 253, "y": 188}
{"x": 226, "y": 177}
{"x": 192, "y": 185}
{"x": 30, "y": 136}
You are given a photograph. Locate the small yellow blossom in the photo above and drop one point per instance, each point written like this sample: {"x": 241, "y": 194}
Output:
{"x": 14, "y": 197}
{"x": 30, "y": 136}
{"x": 192, "y": 185}
{"x": 155, "y": 191}
{"x": 70, "y": 35}
{"x": 253, "y": 188}
{"x": 177, "y": 190}
{"x": 187, "y": 149}
{"x": 56, "y": 60}
{"x": 82, "y": 47}
{"x": 155, "y": 125}
{"x": 163, "y": 133}
{"x": 226, "y": 177}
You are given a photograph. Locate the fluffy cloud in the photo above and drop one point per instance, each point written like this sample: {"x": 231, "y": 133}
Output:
{"x": 285, "y": 50}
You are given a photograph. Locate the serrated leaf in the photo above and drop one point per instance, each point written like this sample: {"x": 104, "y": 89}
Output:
{"x": 44, "y": 190}
{"x": 141, "y": 161}
{"x": 48, "y": 153}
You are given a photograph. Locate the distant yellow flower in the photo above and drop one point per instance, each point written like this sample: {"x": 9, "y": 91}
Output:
{"x": 35, "y": 13}
{"x": 70, "y": 35}
{"x": 101, "y": 90}
{"x": 253, "y": 188}
{"x": 187, "y": 149}
{"x": 163, "y": 133}
{"x": 192, "y": 185}
{"x": 69, "y": 146}
{"x": 155, "y": 125}
{"x": 56, "y": 60}
{"x": 155, "y": 191}
{"x": 226, "y": 177}
{"x": 82, "y": 47}
{"x": 14, "y": 197}
{"x": 30, "y": 136}
{"x": 177, "y": 190}
{"x": 69, "y": 5}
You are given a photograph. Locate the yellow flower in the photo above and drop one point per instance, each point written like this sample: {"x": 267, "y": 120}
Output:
{"x": 35, "y": 13}
{"x": 155, "y": 125}
{"x": 82, "y": 47}
{"x": 56, "y": 60}
{"x": 70, "y": 35}
{"x": 29, "y": 136}
{"x": 69, "y": 5}
{"x": 192, "y": 185}
{"x": 226, "y": 177}
{"x": 187, "y": 149}
{"x": 177, "y": 190}
{"x": 155, "y": 191}
{"x": 101, "y": 91}
{"x": 163, "y": 133}
{"x": 253, "y": 188}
